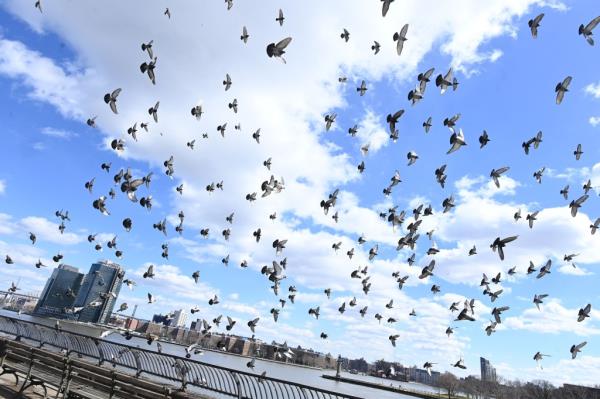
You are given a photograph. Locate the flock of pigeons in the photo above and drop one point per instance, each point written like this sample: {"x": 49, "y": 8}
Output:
{"x": 275, "y": 273}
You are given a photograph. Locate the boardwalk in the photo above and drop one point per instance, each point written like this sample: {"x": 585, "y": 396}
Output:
{"x": 166, "y": 375}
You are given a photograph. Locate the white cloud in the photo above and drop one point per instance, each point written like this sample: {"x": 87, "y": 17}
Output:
{"x": 574, "y": 271}
{"x": 553, "y": 318}
{"x": 594, "y": 120}
{"x": 289, "y": 110}
{"x": 48, "y": 231}
{"x": 372, "y": 132}
{"x": 478, "y": 218}
{"x": 2, "y": 186}
{"x": 58, "y": 133}
{"x": 45, "y": 80}
{"x": 39, "y": 146}
{"x": 593, "y": 89}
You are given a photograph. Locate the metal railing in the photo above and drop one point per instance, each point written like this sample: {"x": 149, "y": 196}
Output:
{"x": 186, "y": 372}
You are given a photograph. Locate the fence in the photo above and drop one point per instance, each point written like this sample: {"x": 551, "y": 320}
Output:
{"x": 185, "y": 372}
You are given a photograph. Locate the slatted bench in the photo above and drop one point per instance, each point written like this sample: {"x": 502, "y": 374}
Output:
{"x": 75, "y": 378}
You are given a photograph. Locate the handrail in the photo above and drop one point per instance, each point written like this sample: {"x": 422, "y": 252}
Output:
{"x": 186, "y": 372}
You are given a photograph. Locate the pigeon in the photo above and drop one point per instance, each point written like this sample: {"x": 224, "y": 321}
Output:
{"x": 491, "y": 328}
{"x": 499, "y": 244}
{"x": 562, "y": 88}
{"x": 496, "y": 173}
{"x": 148, "y": 68}
{"x": 167, "y": 12}
{"x": 315, "y": 311}
{"x": 584, "y": 312}
{"x": 111, "y": 100}
{"x": 149, "y": 273}
{"x": 400, "y": 38}
{"x": 412, "y": 157}
{"x": 256, "y": 135}
{"x": 565, "y": 192}
{"x": 147, "y": 47}
{"x": 538, "y": 299}
{"x": 531, "y": 218}
{"x": 38, "y": 5}
{"x": 427, "y": 125}
{"x": 233, "y": 105}
{"x": 586, "y": 30}
{"x": 280, "y": 18}
{"x": 244, "y": 37}
{"x": 534, "y": 24}
{"x": 197, "y": 111}
{"x": 538, "y": 358}
{"x": 345, "y": 35}
{"x": 445, "y": 81}
{"x": 375, "y": 47}
{"x": 457, "y": 140}
{"x": 393, "y": 119}
{"x": 595, "y": 226}
{"x": 497, "y": 312}
{"x": 464, "y": 315}
{"x": 578, "y": 152}
{"x": 362, "y": 89}
{"x": 483, "y": 139}
{"x": 460, "y": 364}
{"x": 253, "y": 323}
{"x": 428, "y": 366}
{"x": 575, "y": 349}
{"x": 545, "y": 269}
{"x": 576, "y": 204}
{"x": 277, "y": 50}
{"x": 91, "y": 122}
{"x": 393, "y": 339}
{"x": 153, "y": 111}
{"x": 538, "y": 174}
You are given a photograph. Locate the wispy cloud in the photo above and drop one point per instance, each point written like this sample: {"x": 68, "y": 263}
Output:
{"x": 594, "y": 120}
{"x": 58, "y": 133}
{"x": 2, "y": 186}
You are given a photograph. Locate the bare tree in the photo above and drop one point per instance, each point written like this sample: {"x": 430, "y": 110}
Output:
{"x": 449, "y": 382}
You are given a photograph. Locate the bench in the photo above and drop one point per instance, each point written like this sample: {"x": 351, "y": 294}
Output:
{"x": 75, "y": 377}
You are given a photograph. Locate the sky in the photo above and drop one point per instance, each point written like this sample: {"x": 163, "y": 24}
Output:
{"x": 56, "y": 66}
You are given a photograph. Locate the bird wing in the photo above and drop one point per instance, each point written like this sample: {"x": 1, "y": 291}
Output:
{"x": 385, "y": 8}
{"x": 559, "y": 96}
{"x": 399, "y": 46}
{"x": 404, "y": 30}
{"x": 592, "y": 24}
{"x": 581, "y": 199}
{"x": 508, "y": 239}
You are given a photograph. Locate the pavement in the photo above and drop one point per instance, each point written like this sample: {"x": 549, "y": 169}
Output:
{"x": 8, "y": 389}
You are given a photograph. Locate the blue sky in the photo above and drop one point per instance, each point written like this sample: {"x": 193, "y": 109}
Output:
{"x": 55, "y": 68}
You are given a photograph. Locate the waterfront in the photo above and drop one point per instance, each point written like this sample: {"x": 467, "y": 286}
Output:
{"x": 303, "y": 375}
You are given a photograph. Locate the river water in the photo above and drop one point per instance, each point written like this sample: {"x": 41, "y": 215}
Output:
{"x": 299, "y": 374}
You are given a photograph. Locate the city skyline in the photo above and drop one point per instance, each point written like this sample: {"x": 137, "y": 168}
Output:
{"x": 90, "y": 298}
{"x": 57, "y": 65}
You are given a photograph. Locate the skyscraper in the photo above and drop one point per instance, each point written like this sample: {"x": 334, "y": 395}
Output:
{"x": 99, "y": 292}
{"x": 179, "y": 318}
{"x": 488, "y": 373}
{"x": 60, "y": 292}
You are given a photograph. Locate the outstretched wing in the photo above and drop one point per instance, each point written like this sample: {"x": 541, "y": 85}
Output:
{"x": 283, "y": 43}
{"x": 589, "y": 27}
